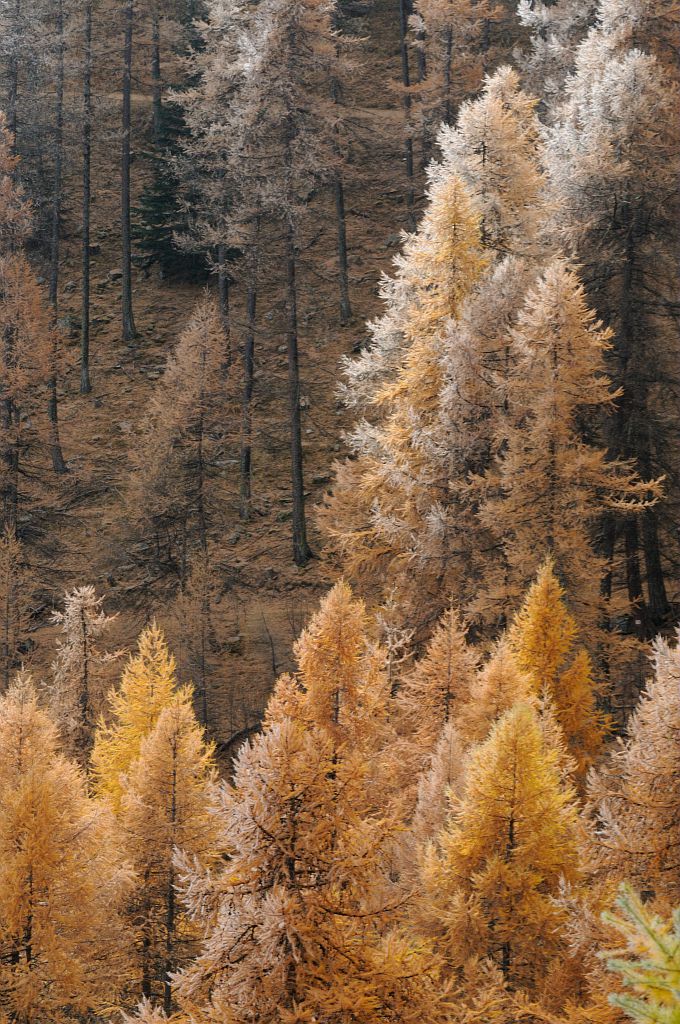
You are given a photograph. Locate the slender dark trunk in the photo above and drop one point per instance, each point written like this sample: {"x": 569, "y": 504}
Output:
{"x": 408, "y": 139}
{"x": 301, "y": 550}
{"x": 246, "y": 404}
{"x": 13, "y": 70}
{"x": 633, "y": 429}
{"x": 129, "y": 329}
{"x": 343, "y": 275}
{"x": 58, "y": 463}
{"x": 85, "y": 382}
{"x": 339, "y": 196}
{"x": 156, "y": 82}
{"x": 223, "y": 284}
{"x": 10, "y": 452}
{"x": 200, "y": 464}
{"x": 448, "y": 56}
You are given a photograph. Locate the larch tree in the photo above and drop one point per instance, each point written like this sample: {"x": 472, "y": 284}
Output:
{"x": 173, "y": 493}
{"x": 553, "y": 483}
{"x": 165, "y": 807}
{"x": 382, "y": 496}
{"x": 543, "y": 640}
{"x": 491, "y": 876}
{"x": 634, "y": 797}
{"x": 80, "y": 672}
{"x": 430, "y": 695}
{"x": 612, "y": 162}
{"x": 404, "y": 501}
{"x": 147, "y": 686}
{"x": 498, "y": 685}
{"x": 129, "y": 329}
{"x": 297, "y": 922}
{"x": 17, "y": 586}
{"x": 62, "y": 884}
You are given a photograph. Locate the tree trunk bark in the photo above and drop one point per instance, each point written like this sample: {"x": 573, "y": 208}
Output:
{"x": 408, "y": 139}
{"x": 223, "y": 297}
{"x": 128, "y": 322}
{"x": 13, "y": 73}
{"x": 301, "y": 550}
{"x": 343, "y": 275}
{"x": 58, "y": 463}
{"x": 448, "y": 55}
{"x": 85, "y": 382}
{"x": 156, "y": 82}
{"x": 246, "y": 405}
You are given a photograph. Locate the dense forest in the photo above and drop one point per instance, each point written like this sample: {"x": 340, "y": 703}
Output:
{"x": 340, "y": 500}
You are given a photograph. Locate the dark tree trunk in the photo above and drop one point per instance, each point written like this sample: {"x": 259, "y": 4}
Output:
{"x": 406, "y": 84}
{"x": 85, "y": 383}
{"x": 58, "y": 463}
{"x": 301, "y": 550}
{"x": 13, "y": 74}
{"x": 223, "y": 297}
{"x": 156, "y": 82}
{"x": 128, "y": 322}
{"x": 343, "y": 275}
{"x": 448, "y": 56}
{"x": 246, "y": 404}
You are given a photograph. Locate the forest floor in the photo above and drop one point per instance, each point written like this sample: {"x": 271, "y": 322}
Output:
{"x": 265, "y": 599}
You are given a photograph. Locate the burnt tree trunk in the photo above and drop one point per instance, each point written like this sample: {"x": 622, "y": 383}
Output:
{"x": 406, "y": 84}
{"x": 128, "y": 321}
{"x": 301, "y": 550}
{"x": 58, "y": 462}
{"x": 85, "y": 382}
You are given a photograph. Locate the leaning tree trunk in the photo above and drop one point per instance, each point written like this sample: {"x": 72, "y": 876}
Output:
{"x": 128, "y": 321}
{"x": 85, "y": 383}
{"x": 58, "y": 463}
{"x": 301, "y": 550}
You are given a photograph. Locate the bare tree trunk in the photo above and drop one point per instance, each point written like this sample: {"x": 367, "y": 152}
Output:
{"x": 129, "y": 329}
{"x": 343, "y": 275}
{"x": 246, "y": 404}
{"x": 223, "y": 297}
{"x": 85, "y": 383}
{"x": 448, "y": 56}
{"x": 301, "y": 550}
{"x": 58, "y": 463}
{"x": 13, "y": 70}
{"x": 408, "y": 139}
{"x": 156, "y": 82}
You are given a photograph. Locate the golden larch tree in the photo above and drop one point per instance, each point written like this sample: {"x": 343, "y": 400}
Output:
{"x": 553, "y": 483}
{"x": 544, "y": 640}
{"x": 62, "y": 942}
{"x": 147, "y": 687}
{"x": 498, "y": 685}
{"x": 166, "y": 805}
{"x": 491, "y": 877}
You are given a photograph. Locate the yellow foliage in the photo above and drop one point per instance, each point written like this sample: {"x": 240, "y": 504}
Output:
{"x": 61, "y": 882}
{"x": 147, "y": 687}
{"x": 493, "y": 874}
{"x": 544, "y": 640}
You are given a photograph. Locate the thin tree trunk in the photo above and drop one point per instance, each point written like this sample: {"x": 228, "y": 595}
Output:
{"x": 223, "y": 297}
{"x": 301, "y": 550}
{"x": 408, "y": 140}
{"x": 339, "y": 196}
{"x": 246, "y": 404}
{"x": 58, "y": 463}
{"x": 129, "y": 329}
{"x": 448, "y": 55}
{"x": 13, "y": 69}
{"x": 343, "y": 275}
{"x": 85, "y": 382}
{"x": 156, "y": 82}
